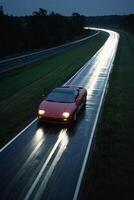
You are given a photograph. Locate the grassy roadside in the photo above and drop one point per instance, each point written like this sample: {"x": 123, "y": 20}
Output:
{"x": 21, "y": 89}
{"x": 22, "y": 53}
{"x": 110, "y": 174}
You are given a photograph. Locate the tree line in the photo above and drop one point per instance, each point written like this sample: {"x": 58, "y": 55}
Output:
{"x": 118, "y": 21}
{"x": 129, "y": 23}
{"x": 41, "y": 30}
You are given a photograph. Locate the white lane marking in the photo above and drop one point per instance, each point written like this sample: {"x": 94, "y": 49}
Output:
{"x": 96, "y": 119}
{"x": 84, "y": 66}
{"x": 21, "y": 171}
{"x": 46, "y": 50}
{"x": 3, "y": 148}
{"x": 61, "y": 134}
{"x": 63, "y": 145}
{"x": 86, "y": 156}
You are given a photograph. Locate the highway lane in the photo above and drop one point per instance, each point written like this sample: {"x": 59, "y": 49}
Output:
{"x": 47, "y": 162}
{"x": 20, "y": 61}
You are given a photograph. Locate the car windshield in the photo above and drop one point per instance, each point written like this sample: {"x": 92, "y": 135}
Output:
{"x": 61, "y": 96}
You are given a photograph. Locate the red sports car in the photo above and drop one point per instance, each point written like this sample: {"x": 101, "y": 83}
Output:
{"x": 62, "y": 104}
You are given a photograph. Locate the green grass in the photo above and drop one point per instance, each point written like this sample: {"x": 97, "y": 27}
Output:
{"x": 110, "y": 174}
{"x": 21, "y": 53}
{"x": 21, "y": 89}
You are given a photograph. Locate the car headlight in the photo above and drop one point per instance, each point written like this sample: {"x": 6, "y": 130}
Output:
{"x": 41, "y": 112}
{"x": 65, "y": 114}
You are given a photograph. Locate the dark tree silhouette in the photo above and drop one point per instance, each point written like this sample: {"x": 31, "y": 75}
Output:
{"x": 41, "y": 12}
{"x": 129, "y": 22}
{"x": 41, "y": 30}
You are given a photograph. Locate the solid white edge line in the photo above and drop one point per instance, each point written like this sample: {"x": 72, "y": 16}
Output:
{"x": 5, "y": 146}
{"x": 35, "y": 182}
{"x": 92, "y": 134}
{"x": 45, "y": 50}
{"x": 75, "y": 197}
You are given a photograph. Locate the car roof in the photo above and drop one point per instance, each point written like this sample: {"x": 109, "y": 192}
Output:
{"x": 66, "y": 90}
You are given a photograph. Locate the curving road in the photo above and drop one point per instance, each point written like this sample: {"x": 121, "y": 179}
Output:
{"x": 48, "y": 162}
{"x": 21, "y": 61}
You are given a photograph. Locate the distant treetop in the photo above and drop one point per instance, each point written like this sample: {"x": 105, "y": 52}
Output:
{"x": 41, "y": 12}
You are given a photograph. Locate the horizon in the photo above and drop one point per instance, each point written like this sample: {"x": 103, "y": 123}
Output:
{"x": 89, "y": 8}
{"x": 48, "y": 13}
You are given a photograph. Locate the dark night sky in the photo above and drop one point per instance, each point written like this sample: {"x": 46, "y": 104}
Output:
{"x": 67, "y": 7}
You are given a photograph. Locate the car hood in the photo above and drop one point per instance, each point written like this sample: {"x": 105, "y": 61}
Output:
{"x": 56, "y": 109}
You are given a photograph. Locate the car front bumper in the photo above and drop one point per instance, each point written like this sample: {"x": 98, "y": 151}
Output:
{"x": 55, "y": 120}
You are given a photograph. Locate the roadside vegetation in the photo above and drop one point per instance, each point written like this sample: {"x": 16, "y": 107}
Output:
{"x": 39, "y": 31}
{"x": 110, "y": 174}
{"x": 21, "y": 89}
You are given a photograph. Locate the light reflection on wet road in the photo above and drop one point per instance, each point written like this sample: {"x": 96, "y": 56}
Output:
{"x": 45, "y": 161}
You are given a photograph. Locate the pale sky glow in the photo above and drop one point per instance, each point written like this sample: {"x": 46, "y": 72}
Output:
{"x": 67, "y": 7}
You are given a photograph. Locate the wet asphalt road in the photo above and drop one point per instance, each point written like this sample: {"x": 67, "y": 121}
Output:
{"x": 21, "y": 61}
{"x": 45, "y": 161}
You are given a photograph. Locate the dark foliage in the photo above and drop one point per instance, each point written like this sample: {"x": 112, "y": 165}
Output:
{"x": 102, "y": 21}
{"x": 40, "y": 30}
{"x": 129, "y": 22}
{"x": 124, "y": 21}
